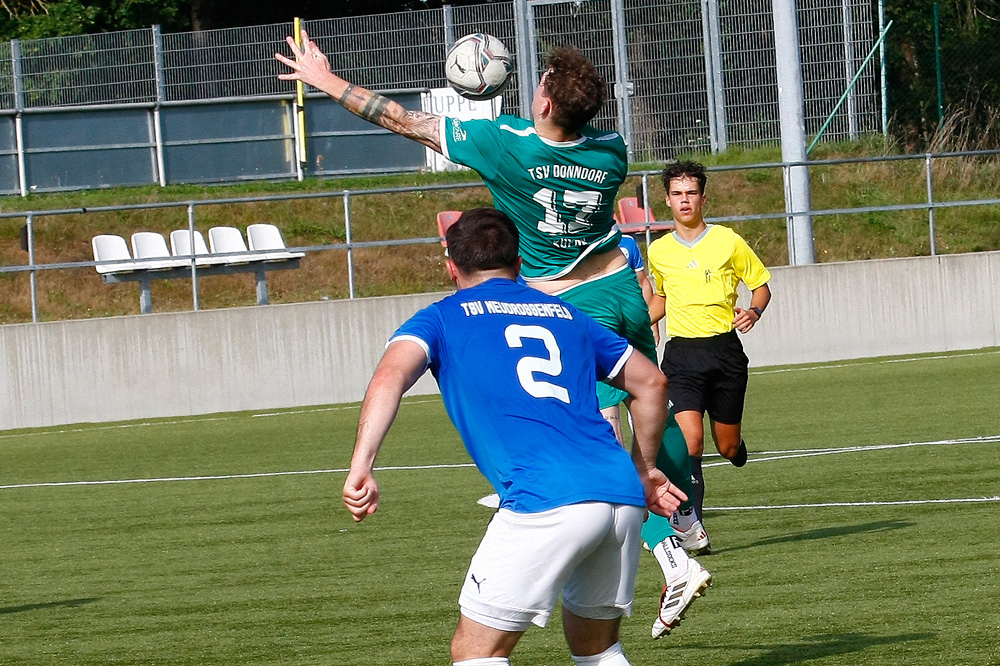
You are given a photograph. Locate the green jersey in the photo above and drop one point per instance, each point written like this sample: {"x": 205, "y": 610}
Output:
{"x": 561, "y": 195}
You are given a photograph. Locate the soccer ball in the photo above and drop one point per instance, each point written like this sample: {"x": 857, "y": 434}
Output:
{"x": 478, "y": 66}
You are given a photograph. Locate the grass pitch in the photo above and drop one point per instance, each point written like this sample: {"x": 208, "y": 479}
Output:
{"x": 863, "y": 531}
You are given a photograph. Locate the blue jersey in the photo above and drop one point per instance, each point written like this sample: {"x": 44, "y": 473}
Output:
{"x": 517, "y": 370}
{"x": 630, "y": 249}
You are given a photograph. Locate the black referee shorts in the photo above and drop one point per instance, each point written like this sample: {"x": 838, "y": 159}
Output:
{"x": 707, "y": 375}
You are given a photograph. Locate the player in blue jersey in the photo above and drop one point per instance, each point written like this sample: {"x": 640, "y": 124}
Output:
{"x": 517, "y": 371}
{"x": 556, "y": 177}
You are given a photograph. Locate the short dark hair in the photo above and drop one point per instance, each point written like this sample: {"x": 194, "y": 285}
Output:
{"x": 482, "y": 239}
{"x": 684, "y": 170}
{"x": 576, "y": 88}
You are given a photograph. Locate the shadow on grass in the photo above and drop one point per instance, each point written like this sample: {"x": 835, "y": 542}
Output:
{"x": 68, "y": 603}
{"x": 816, "y": 647}
{"x": 825, "y": 533}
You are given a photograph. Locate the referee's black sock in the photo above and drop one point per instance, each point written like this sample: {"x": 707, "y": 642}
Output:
{"x": 698, "y": 481}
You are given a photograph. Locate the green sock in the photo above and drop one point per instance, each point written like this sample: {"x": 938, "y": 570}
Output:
{"x": 673, "y": 460}
{"x": 656, "y": 529}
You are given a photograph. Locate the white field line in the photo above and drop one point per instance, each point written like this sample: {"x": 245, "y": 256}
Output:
{"x": 803, "y": 453}
{"x": 808, "y": 453}
{"x": 194, "y": 419}
{"x": 219, "y": 477}
{"x": 960, "y": 500}
{"x": 851, "y": 364}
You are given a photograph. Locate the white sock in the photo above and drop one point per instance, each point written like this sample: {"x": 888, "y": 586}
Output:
{"x": 613, "y": 656}
{"x": 483, "y": 661}
{"x": 682, "y": 520}
{"x": 671, "y": 557}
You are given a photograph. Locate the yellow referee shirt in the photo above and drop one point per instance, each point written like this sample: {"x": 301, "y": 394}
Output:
{"x": 699, "y": 279}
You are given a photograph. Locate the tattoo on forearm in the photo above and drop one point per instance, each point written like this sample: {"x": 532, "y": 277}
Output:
{"x": 421, "y": 125}
{"x": 383, "y": 111}
{"x": 374, "y": 108}
{"x": 364, "y": 103}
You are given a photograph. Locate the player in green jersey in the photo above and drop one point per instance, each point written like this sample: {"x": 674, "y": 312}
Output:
{"x": 556, "y": 177}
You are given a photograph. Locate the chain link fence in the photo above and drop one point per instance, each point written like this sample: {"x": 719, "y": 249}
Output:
{"x": 687, "y": 75}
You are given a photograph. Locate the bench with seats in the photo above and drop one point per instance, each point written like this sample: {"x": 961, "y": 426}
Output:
{"x": 227, "y": 253}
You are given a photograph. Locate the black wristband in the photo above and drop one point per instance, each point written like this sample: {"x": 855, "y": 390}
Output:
{"x": 756, "y": 309}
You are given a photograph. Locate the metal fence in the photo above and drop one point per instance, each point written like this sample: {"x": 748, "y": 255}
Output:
{"x": 687, "y": 75}
{"x": 351, "y": 246}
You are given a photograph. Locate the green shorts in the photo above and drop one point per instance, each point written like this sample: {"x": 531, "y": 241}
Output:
{"x": 616, "y": 302}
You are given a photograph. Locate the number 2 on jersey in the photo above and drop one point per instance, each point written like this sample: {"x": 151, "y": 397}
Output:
{"x": 581, "y": 205}
{"x": 527, "y": 366}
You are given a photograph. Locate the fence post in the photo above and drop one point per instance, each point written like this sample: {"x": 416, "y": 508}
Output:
{"x": 719, "y": 134}
{"x": 937, "y": 61}
{"x": 525, "y": 55}
{"x": 852, "y": 107}
{"x": 194, "y": 253}
{"x": 884, "y": 72}
{"x": 30, "y": 220}
{"x": 350, "y": 250}
{"x": 448, "y": 20}
{"x": 623, "y": 87}
{"x": 792, "y": 112}
{"x": 161, "y": 95}
{"x": 930, "y": 201}
{"x": 15, "y": 57}
{"x": 647, "y": 208}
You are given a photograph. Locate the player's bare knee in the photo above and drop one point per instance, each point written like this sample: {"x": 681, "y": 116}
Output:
{"x": 728, "y": 448}
{"x": 589, "y": 637}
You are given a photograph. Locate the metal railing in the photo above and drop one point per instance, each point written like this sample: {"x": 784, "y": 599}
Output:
{"x": 348, "y": 196}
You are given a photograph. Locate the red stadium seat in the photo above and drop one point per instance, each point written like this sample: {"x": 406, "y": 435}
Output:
{"x": 445, "y": 219}
{"x": 632, "y": 218}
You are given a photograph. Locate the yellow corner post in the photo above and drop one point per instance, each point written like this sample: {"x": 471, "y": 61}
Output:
{"x": 300, "y": 98}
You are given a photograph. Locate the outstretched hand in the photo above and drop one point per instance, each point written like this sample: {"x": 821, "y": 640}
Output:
{"x": 662, "y": 496}
{"x": 310, "y": 64}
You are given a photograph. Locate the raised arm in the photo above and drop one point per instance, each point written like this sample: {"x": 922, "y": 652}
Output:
{"x": 311, "y": 66}
{"x": 401, "y": 366}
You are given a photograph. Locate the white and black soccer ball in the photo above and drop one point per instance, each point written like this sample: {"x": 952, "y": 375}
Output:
{"x": 478, "y": 66}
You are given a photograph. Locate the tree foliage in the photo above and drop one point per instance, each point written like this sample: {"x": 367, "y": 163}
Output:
{"x": 970, "y": 73}
{"x": 31, "y": 19}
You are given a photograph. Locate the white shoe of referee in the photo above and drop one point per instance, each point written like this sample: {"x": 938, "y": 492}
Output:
{"x": 686, "y": 581}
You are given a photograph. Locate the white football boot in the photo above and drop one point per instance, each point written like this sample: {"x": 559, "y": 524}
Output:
{"x": 678, "y": 595}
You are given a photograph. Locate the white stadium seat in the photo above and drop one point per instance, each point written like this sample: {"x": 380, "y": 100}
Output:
{"x": 225, "y": 240}
{"x": 150, "y": 251}
{"x": 108, "y": 247}
{"x": 266, "y": 238}
{"x": 180, "y": 245}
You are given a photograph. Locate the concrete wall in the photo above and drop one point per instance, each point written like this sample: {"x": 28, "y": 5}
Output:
{"x": 858, "y": 309}
{"x": 180, "y": 364}
{"x": 176, "y": 364}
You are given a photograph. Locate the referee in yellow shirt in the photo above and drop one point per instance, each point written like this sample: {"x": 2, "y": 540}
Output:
{"x": 695, "y": 272}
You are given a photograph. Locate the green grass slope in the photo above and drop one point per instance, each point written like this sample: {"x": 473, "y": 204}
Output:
{"x": 411, "y": 268}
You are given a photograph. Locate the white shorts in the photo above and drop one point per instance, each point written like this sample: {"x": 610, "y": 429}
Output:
{"x": 587, "y": 552}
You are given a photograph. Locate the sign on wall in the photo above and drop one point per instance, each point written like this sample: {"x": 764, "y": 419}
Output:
{"x": 447, "y": 102}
